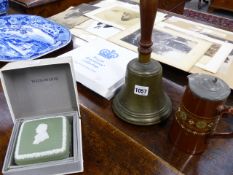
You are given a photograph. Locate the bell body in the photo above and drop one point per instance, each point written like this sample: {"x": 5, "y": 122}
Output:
{"x": 141, "y": 100}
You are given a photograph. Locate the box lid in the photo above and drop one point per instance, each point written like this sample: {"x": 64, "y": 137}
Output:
{"x": 39, "y": 87}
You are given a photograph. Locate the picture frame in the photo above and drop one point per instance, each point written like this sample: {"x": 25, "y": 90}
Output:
{"x": 117, "y": 15}
{"x": 73, "y": 15}
{"x": 169, "y": 47}
{"x": 98, "y": 28}
{"x": 212, "y": 59}
{"x": 200, "y": 28}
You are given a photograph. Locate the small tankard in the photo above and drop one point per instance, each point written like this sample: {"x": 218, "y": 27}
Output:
{"x": 198, "y": 115}
{"x": 3, "y": 7}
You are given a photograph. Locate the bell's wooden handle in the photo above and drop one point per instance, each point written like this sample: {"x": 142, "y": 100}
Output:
{"x": 148, "y": 9}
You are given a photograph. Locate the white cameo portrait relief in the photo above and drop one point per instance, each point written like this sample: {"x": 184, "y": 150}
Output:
{"x": 41, "y": 133}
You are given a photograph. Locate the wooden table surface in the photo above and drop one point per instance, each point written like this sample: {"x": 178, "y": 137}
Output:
{"x": 112, "y": 146}
{"x": 134, "y": 149}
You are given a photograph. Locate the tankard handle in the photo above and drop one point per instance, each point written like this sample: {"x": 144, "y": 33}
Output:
{"x": 224, "y": 110}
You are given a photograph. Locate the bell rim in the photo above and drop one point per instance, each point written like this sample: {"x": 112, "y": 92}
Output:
{"x": 143, "y": 119}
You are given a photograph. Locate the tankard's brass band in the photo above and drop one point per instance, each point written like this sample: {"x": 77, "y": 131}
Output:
{"x": 197, "y": 125}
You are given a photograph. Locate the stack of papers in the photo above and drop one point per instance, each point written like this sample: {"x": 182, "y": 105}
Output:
{"x": 101, "y": 65}
{"x": 107, "y": 33}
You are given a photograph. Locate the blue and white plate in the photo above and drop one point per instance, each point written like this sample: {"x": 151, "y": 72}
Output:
{"x": 24, "y": 37}
{"x": 3, "y": 7}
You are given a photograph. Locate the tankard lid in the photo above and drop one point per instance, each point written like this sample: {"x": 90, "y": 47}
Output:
{"x": 208, "y": 87}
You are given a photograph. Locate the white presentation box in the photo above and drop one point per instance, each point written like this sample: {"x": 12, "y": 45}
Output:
{"x": 39, "y": 89}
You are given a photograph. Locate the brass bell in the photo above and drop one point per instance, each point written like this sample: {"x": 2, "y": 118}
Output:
{"x": 141, "y": 100}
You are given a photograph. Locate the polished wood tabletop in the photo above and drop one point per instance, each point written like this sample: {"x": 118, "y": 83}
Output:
{"x": 112, "y": 146}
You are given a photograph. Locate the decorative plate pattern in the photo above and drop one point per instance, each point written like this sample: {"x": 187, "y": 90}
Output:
{"x": 24, "y": 37}
{"x": 3, "y": 6}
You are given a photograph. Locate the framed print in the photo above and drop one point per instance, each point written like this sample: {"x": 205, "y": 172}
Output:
{"x": 73, "y": 16}
{"x": 212, "y": 59}
{"x": 119, "y": 16}
{"x": 221, "y": 47}
{"x": 224, "y": 71}
{"x": 169, "y": 47}
{"x": 203, "y": 29}
{"x": 98, "y": 28}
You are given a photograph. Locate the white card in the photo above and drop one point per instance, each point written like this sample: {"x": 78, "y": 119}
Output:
{"x": 98, "y": 28}
{"x": 101, "y": 65}
{"x": 119, "y": 16}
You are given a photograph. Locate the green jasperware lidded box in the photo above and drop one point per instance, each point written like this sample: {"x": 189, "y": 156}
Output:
{"x": 43, "y": 101}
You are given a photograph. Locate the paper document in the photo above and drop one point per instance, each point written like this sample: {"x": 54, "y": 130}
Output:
{"x": 218, "y": 51}
{"x": 98, "y": 28}
{"x": 101, "y": 65}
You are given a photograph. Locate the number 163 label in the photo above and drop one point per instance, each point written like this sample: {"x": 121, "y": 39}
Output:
{"x": 141, "y": 90}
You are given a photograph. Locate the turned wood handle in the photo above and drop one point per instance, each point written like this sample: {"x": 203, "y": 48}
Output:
{"x": 148, "y": 9}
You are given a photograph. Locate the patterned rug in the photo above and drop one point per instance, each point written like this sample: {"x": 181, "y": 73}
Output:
{"x": 217, "y": 21}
